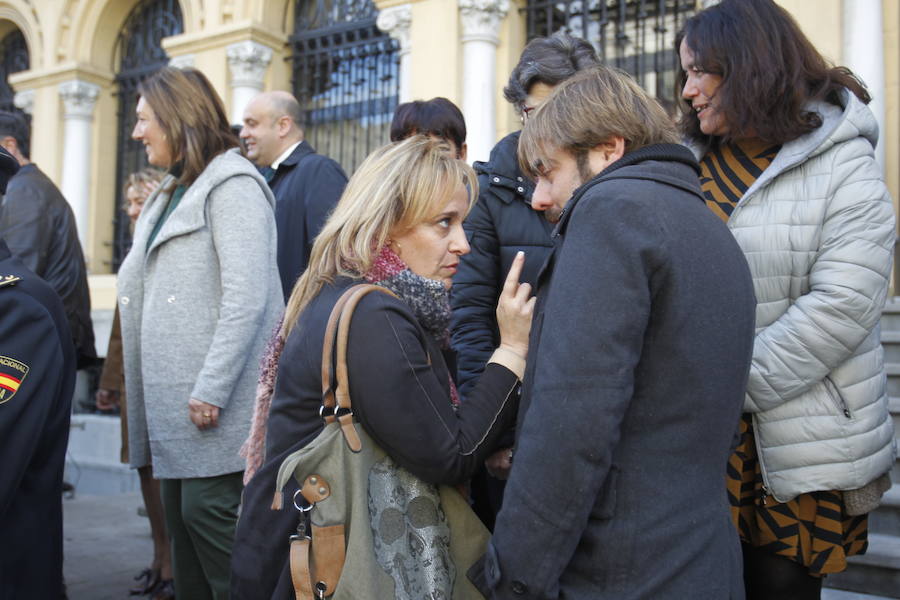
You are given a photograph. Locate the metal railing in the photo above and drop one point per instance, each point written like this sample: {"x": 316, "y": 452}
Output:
{"x": 345, "y": 76}
{"x": 637, "y": 36}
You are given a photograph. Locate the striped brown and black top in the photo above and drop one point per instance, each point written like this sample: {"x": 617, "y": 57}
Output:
{"x": 729, "y": 171}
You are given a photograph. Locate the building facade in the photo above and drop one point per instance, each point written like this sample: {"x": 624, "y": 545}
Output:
{"x": 72, "y": 66}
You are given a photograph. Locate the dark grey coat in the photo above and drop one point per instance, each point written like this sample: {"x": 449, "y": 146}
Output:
{"x": 307, "y": 186}
{"x": 640, "y": 349}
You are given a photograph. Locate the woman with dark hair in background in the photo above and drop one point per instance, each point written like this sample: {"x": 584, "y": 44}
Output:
{"x": 786, "y": 145}
{"x": 438, "y": 118}
{"x": 199, "y": 293}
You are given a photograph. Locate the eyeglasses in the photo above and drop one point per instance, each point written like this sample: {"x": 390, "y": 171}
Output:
{"x": 526, "y": 110}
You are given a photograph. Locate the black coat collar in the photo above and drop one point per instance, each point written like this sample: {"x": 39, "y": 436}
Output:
{"x": 656, "y": 152}
{"x": 299, "y": 152}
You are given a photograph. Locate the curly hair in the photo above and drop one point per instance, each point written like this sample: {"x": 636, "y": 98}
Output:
{"x": 549, "y": 60}
{"x": 770, "y": 72}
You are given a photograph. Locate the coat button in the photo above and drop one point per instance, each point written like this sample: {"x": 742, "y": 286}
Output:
{"x": 125, "y": 300}
{"x": 496, "y": 180}
{"x": 518, "y": 588}
{"x": 519, "y": 179}
{"x": 171, "y": 299}
{"x": 520, "y": 189}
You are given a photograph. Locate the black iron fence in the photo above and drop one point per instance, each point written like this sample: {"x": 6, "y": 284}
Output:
{"x": 13, "y": 58}
{"x": 635, "y": 35}
{"x": 345, "y": 76}
{"x": 140, "y": 55}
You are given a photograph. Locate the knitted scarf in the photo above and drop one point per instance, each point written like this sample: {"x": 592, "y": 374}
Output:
{"x": 429, "y": 301}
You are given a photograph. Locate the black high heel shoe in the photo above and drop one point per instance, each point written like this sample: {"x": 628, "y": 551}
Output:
{"x": 165, "y": 590}
{"x": 148, "y": 580}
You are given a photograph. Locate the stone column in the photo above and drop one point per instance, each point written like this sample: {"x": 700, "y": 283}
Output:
{"x": 864, "y": 54}
{"x": 79, "y": 98}
{"x": 480, "y": 28}
{"x": 396, "y": 21}
{"x": 247, "y": 62}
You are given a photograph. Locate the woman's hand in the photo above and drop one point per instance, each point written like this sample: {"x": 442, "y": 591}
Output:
{"x": 514, "y": 310}
{"x": 106, "y": 399}
{"x": 203, "y": 415}
{"x": 499, "y": 463}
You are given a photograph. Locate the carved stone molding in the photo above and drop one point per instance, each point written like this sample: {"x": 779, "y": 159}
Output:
{"x": 24, "y": 101}
{"x": 181, "y": 62}
{"x": 481, "y": 19}
{"x": 396, "y": 22}
{"x": 79, "y": 98}
{"x": 248, "y": 62}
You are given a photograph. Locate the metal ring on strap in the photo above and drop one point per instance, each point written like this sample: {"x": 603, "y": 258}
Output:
{"x": 306, "y": 508}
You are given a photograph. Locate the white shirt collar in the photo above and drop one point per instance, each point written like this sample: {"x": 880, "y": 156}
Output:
{"x": 284, "y": 155}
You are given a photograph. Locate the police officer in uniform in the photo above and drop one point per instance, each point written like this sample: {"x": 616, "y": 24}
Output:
{"x": 37, "y": 376}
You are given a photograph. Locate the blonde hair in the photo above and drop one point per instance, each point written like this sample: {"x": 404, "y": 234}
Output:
{"x": 138, "y": 180}
{"x": 587, "y": 110}
{"x": 396, "y": 187}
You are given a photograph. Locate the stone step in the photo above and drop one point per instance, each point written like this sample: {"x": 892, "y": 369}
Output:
{"x": 835, "y": 594}
{"x": 876, "y": 572}
{"x": 92, "y": 457}
{"x": 894, "y": 407}
{"x": 890, "y": 316}
{"x": 893, "y": 378}
{"x": 890, "y": 341}
{"x": 885, "y": 519}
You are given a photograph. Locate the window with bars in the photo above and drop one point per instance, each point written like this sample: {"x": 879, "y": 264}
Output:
{"x": 140, "y": 54}
{"x": 345, "y": 76}
{"x": 13, "y": 58}
{"x": 637, "y": 36}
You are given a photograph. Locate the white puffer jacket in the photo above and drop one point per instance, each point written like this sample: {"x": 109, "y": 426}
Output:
{"x": 817, "y": 229}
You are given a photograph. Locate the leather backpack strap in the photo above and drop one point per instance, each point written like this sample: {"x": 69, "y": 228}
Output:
{"x": 327, "y": 411}
{"x": 343, "y": 410}
{"x": 300, "y": 575}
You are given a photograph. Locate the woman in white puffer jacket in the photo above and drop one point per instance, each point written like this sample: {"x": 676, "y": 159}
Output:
{"x": 786, "y": 145}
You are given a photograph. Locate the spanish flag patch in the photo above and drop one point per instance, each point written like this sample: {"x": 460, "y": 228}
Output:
{"x": 12, "y": 373}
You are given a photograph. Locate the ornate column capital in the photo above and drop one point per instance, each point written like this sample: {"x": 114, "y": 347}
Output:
{"x": 181, "y": 62}
{"x": 24, "y": 101}
{"x": 79, "y": 98}
{"x": 396, "y": 21}
{"x": 481, "y": 19}
{"x": 248, "y": 62}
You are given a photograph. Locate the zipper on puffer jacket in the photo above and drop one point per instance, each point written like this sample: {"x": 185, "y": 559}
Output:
{"x": 759, "y": 459}
{"x": 837, "y": 396}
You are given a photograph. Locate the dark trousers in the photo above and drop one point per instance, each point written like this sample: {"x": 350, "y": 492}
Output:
{"x": 201, "y": 515}
{"x": 768, "y": 576}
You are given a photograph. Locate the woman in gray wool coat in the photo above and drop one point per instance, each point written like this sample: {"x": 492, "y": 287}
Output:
{"x": 199, "y": 294}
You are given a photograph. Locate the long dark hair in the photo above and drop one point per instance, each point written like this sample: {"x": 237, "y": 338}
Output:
{"x": 770, "y": 71}
{"x": 191, "y": 114}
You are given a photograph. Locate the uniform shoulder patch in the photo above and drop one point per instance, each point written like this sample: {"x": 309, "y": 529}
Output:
{"x": 6, "y": 280}
{"x": 12, "y": 374}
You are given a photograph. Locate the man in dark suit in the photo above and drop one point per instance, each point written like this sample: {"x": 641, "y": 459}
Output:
{"x": 39, "y": 227}
{"x": 37, "y": 376}
{"x": 637, "y": 367}
{"x": 306, "y": 185}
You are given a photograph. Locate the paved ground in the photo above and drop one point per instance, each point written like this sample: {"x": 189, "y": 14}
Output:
{"x": 107, "y": 544}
